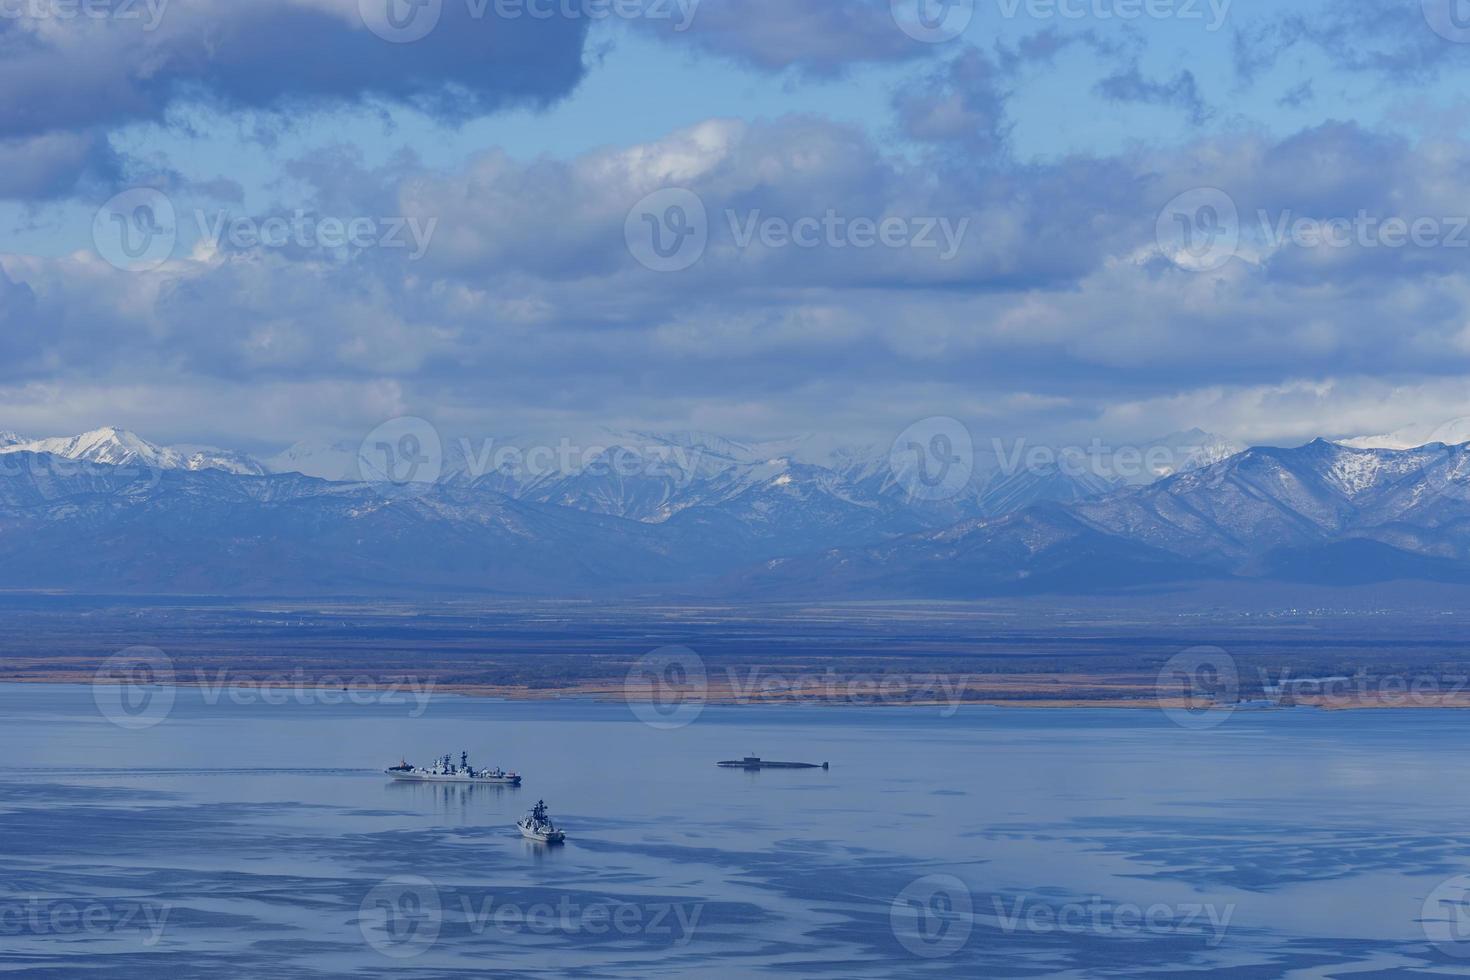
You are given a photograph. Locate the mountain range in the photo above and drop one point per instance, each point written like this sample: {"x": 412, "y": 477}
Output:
{"x": 119, "y": 447}
{"x": 695, "y": 514}
{"x": 1322, "y": 514}
{"x": 650, "y": 477}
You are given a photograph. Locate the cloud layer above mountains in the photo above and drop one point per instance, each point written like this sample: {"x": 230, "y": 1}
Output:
{"x": 847, "y": 272}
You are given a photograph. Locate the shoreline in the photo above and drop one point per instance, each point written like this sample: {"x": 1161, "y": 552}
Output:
{"x": 607, "y": 692}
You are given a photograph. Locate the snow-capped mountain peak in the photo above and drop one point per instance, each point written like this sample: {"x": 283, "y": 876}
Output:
{"x": 1455, "y": 432}
{"x": 110, "y": 445}
{"x": 114, "y": 446}
{"x": 1319, "y": 513}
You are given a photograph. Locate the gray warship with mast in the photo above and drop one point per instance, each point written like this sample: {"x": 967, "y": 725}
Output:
{"x": 537, "y": 826}
{"x": 445, "y": 771}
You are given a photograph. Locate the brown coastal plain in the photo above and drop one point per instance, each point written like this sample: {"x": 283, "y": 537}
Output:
{"x": 1059, "y": 654}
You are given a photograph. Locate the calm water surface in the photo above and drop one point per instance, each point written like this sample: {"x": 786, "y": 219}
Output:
{"x": 251, "y": 839}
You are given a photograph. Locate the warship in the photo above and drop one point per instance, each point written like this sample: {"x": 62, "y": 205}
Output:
{"x": 445, "y": 771}
{"x": 537, "y": 826}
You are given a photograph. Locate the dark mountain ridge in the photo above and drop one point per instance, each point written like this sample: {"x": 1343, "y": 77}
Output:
{"x": 1321, "y": 514}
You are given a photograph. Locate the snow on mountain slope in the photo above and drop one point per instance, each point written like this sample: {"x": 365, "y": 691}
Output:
{"x": 678, "y": 470}
{"x": 210, "y": 458}
{"x": 119, "y": 447}
{"x": 112, "y": 446}
{"x": 92, "y": 527}
{"x": 1303, "y": 501}
{"x": 717, "y": 447}
{"x": 324, "y": 460}
{"x": 1178, "y": 452}
{"x": 1455, "y": 432}
{"x": 1320, "y": 513}
{"x": 1006, "y": 493}
{"x": 764, "y": 499}
{"x": 1258, "y": 499}
{"x": 801, "y": 484}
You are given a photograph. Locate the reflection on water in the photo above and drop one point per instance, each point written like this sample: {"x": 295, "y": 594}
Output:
{"x": 460, "y": 801}
{"x": 252, "y": 838}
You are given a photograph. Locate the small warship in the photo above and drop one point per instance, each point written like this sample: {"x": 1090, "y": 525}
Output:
{"x": 537, "y": 826}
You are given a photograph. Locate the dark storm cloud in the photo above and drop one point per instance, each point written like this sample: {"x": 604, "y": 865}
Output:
{"x": 79, "y": 73}
{"x": 68, "y": 78}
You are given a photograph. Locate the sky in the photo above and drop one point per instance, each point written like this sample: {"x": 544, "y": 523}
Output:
{"x": 252, "y": 224}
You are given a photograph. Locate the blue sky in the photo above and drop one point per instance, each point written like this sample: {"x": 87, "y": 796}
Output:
{"x": 1049, "y": 145}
